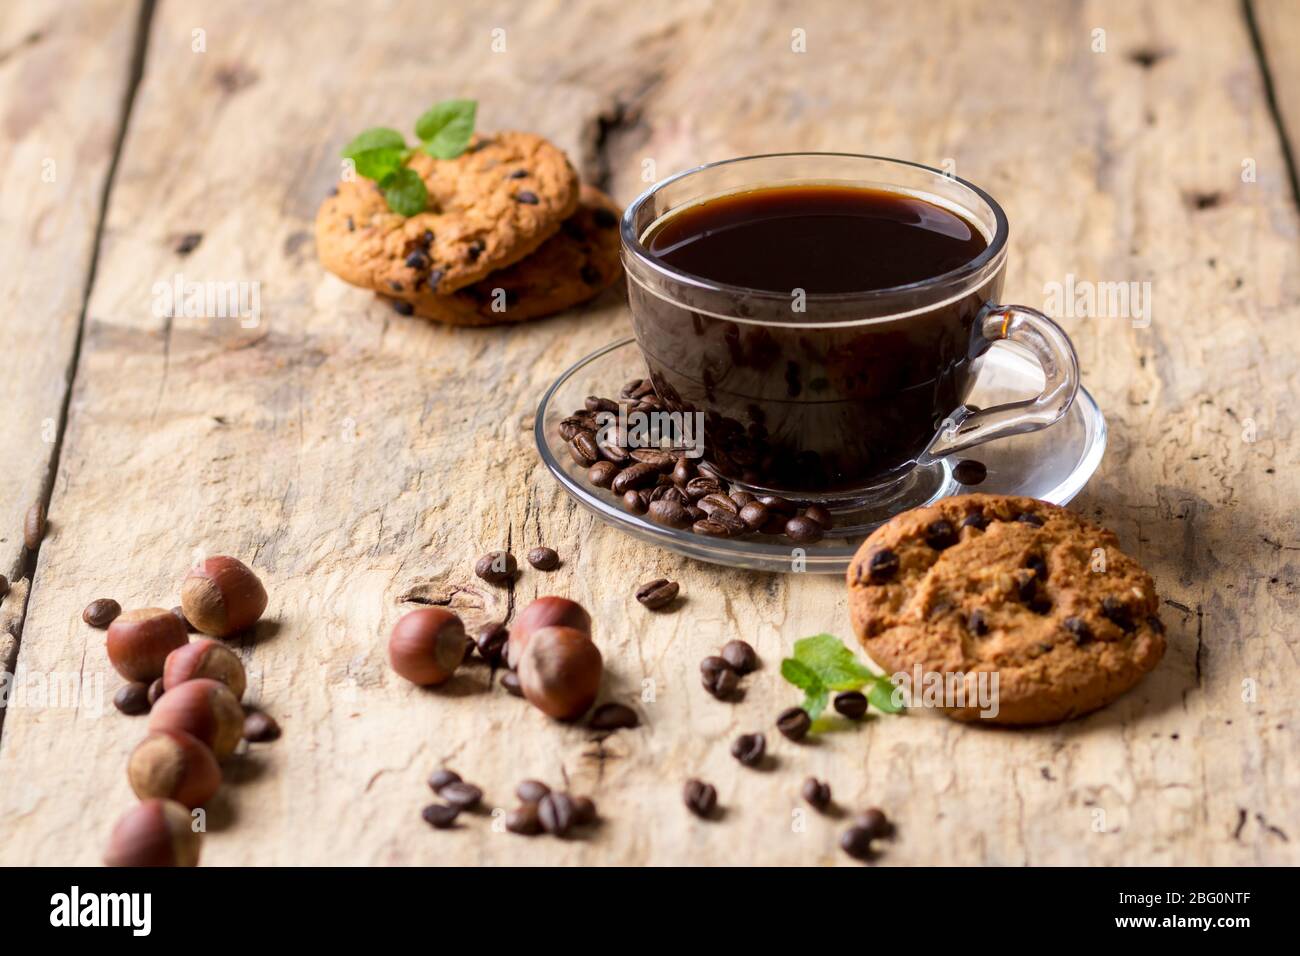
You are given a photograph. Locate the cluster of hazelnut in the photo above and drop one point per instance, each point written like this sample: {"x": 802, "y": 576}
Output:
{"x": 549, "y": 653}
{"x": 196, "y": 719}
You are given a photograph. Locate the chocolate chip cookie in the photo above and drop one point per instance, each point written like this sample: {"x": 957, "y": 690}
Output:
{"x": 488, "y": 208}
{"x": 1013, "y": 586}
{"x": 575, "y": 264}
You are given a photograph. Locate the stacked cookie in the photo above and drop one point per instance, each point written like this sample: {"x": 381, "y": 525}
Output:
{"x": 509, "y": 234}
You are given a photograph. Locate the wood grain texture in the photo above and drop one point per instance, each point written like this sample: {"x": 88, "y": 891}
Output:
{"x": 361, "y": 460}
{"x": 63, "y": 76}
{"x": 1278, "y": 23}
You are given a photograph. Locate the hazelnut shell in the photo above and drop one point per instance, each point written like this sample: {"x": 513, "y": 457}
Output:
{"x": 427, "y": 645}
{"x": 154, "y": 833}
{"x": 545, "y": 612}
{"x": 138, "y": 642}
{"x": 222, "y": 596}
{"x": 205, "y": 658}
{"x": 172, "y": 765}
{"x": 560, "y": 672}
{"x": 203, "y": 708}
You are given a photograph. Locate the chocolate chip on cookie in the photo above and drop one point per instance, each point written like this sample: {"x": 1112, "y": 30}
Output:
{"x": 1005, "y": 585}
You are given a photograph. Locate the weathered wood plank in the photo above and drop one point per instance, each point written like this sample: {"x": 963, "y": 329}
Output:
{"x": 64, "y": 70}
{"x": 358, "y": 458}
{"x": 1278, "y": 23}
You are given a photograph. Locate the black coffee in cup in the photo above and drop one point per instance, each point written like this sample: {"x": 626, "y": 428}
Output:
{"x": 805, "y": 385}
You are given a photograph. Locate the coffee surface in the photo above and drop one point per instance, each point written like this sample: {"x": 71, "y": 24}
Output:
{"x": 818, "y": 238}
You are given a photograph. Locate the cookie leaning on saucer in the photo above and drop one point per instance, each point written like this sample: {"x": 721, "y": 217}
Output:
{"x": 488, "y": 208}
{"x": 575, "y": 264}
{"x": 1010, "y": 585}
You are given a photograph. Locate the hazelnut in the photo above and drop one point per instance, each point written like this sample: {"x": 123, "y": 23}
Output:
{"x": 222, "y": 597}
{"x": 427, "y": 646}
{"x": 203, "y": 708}
{"x": 138, "y": 642}
{"x": 205, "y": 658}
{"x": 560, "y": 672}
{"x": 173, "y": 765}
{"x": 544, "y": 612}
{"x": 154, "y": 833}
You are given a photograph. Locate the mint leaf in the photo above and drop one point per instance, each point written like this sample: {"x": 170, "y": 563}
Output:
{"x": 379, "y": 137}
{"x": 404, "y": 192}
{"x": 881, "y": 696}
{"x": 445, "y": 128}
{"x": 816, "y": 694}
{"x": 829, "y": 659}
{"x": 377, "y": 163}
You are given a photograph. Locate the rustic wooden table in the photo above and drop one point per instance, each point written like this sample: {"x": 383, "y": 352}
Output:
{"x": 361, "y": 460}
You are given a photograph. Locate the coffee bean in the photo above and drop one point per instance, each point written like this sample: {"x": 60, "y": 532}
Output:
{"x": 874, "y": 821}
{"x": 755, "y": 515}
{"x": 731, "y": 524}
{"x": 820, "y": 515}
{"x": 718, "y": 502}
{"x": 497, "y": 567}
{"x": 260, "y": 728}
{"x": 658, "y": 594}
{"x": 132, "y": 698}
{"x": 584, "y": 450}
{"x": 461, "y": 794}
{"x": 639, "y": 475}
{"x": 817, "y": 793}
{"x": 782, "y": 506}
{"x": 882, "y": 566}
{"x": 976, "y": 520}
{"x": 1078, "y": 627}
{"x": 700, "y": 486}
{"x": 595, "y": 403}
{"x": 663, "y": 461}
{"x": 977, "y": 624}
{"x": 803, "y": 530}
{"x": 940, "y": 534}
{"x": 749, "y": 749}
{"x": 1114, "y": 611}
{"x": 742, "y": 498}
{"x": 668, "y": 512}
{"x": 101, "y": 612}
{"x": 34, "y": 526}
{"x": 584, "y": 811}
{"x": 793, "y": 723}
{"x": 440, "y": 816}
{"x": 851, "y": 704}
{"x": 510, "y": 681}
{"x": 612, "y": 717}
{"x": 683, "y": 471}
{"x": 718, "y": 677}
{"x": 442, "y": 777}
{"x": 491, "y": 642}
{"x": 613, "y": 453}
{"x": 570, "y": 427}
{"x": 635, "y": 503}
{"x": 555, "y": 811}
{"x": 710, "y": 529}
{"x": 1028, "y": 517}
{"x": 856, "y": 842}
{"x": 531, "y": 791}
{"x": 602, "y": 473}
{"x": 695, "y": 514}
{"x": 544, "y": 559}
{"x": 668, "y": 492}
{"x": 156, "y": 690}
{"x": 524, "y": 820}
{"x": 740, "y": 656}
{"x": 701, "y": 798}
{"x": 968, "y": 471}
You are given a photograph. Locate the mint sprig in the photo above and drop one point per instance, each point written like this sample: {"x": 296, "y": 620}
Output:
{"x": 822, "y": 664}
{"x": 381, "y": 153}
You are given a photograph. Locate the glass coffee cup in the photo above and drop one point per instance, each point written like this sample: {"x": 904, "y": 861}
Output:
{"x": 838, "y": 396}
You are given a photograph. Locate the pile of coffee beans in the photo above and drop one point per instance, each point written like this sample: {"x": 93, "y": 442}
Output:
{"x": 674, "y": 490}
{"x": 500, "y": 568}
{"x": 543, "y": 810}
{"x": 720, "y": 674}
{"x": 868, "y": 826}
{"x": 457, "y": 796}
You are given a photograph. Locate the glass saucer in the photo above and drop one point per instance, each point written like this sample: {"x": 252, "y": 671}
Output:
{"x": 1053, "y": 464}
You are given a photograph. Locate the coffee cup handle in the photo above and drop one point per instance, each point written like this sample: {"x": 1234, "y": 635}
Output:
{"x": 1050, "y": 345}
